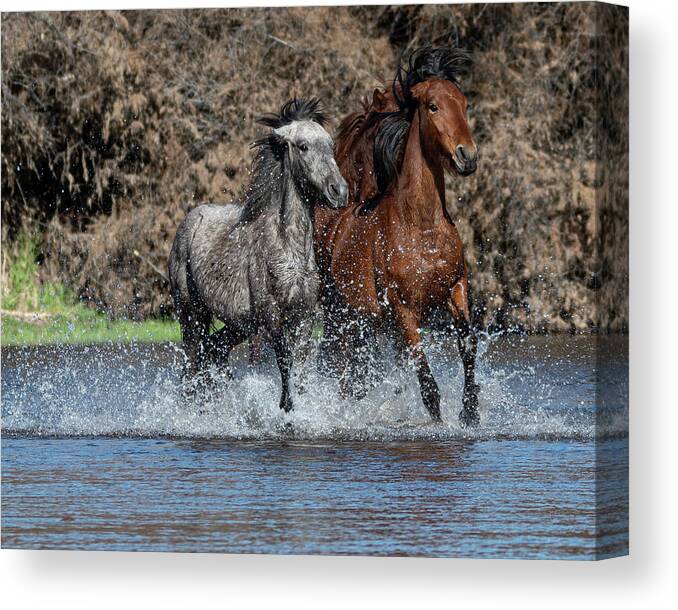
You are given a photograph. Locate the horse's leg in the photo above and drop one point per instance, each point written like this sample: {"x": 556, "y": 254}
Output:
{"x": 218, "y": 348}
{"x": 283, "y": 356}
{"x": 302, "y": 348}
{"x": 400, "y": 357}
{"x": 407, "y": 323}
{"x": 255, "y": 349}
{"x": 194, "y": 319}
{"x": 345, "y": 353}
{"x": 194, "y": 330}
{"x": 355, "y": 345}
{"x": 331, "y": 361}
{"x": 467, "y": 343}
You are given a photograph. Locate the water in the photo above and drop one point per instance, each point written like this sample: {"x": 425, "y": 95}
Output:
{"x": 99, "y": 452}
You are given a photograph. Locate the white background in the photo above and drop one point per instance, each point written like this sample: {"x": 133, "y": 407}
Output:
{"x": 647, "y": 579}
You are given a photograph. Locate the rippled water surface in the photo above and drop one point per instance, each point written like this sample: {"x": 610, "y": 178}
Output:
{"x": 100, "y": 452}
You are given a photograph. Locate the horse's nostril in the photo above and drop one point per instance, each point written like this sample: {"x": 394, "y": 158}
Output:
{"x": 462, "y": 154}
{"x": 334, "y": 191}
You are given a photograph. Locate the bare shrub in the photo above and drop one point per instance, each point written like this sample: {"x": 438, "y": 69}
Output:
{"x": 116, "y": 123}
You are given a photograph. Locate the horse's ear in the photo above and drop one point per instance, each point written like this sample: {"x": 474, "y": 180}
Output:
{"x": 418, "y": 90}
{"x": 379, "y": 100}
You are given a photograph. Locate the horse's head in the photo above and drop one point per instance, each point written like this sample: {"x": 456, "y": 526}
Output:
{"x": 443, "y": 124}
{"x": 311, "y": 153}
{"x": 299, "y": 134}
{"x": 428, "y": 86}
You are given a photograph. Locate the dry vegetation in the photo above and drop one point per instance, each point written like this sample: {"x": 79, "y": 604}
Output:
{"x": 115, "y": 124}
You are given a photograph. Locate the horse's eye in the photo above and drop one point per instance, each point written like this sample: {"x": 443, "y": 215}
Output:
{"x": 432, "y": 107}
{"x": 303, "y": 147}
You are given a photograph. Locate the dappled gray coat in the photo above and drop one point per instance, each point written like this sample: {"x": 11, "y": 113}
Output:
{"x": 253, "y": 266}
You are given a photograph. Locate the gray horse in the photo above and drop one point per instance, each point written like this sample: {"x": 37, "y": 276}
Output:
{"x": 252, "y": 265}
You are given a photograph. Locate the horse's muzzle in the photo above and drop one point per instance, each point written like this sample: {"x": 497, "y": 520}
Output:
{"x": 465, "y": 159}
{"x": 336, "y": 194}
{"x": 467, "y": 168}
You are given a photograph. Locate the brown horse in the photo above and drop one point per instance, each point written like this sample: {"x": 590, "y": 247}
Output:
{"x": 394, "y": 256}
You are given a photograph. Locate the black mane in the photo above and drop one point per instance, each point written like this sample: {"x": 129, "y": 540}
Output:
{"x": 388, "y": 147}
{"x": 295, "y": 110}
{"x": 267, "y": 186}
{"x": 423, "y": 63}
{"x": 446, "y": 63}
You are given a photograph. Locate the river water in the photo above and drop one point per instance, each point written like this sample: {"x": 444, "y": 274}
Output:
{"x": 99, "y": 451}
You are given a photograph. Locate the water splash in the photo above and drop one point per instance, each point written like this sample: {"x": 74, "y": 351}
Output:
{"x": 530, "y": 388}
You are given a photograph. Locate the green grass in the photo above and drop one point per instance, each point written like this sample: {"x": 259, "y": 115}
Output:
{"x": 63, "y": 318}
{"x": 97, "y": 329}
{"x": 20, "y": 291}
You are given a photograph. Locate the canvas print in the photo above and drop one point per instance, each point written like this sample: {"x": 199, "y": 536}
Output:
{"x": 331, "y": 280}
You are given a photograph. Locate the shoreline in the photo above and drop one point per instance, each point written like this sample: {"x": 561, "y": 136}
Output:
{"x": 27, "y": 329}
{"x": 20, "y": 329}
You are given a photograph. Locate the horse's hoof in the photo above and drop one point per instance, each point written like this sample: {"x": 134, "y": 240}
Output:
{"x": 469, "y": 418}
{"x": 286, "y": 429}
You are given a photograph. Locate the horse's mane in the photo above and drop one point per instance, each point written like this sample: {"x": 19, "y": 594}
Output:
{"x": 266, "y": 185}
{"x": 370, "y": 175}
{"x": 446, "y": 63}
{"x": 295, "y": 110}
{"x": 354, "y": 154}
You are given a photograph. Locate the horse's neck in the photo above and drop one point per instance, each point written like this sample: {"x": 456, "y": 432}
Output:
{"x": 296, "y": 227}
{"x": 420, "y": 194}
